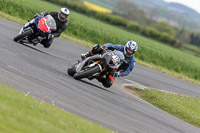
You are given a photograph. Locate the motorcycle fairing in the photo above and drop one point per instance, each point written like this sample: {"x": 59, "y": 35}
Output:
{"x": 37, "y": 20}
{"x": 42, "y": 25}
{"x": 82, "y": 64}
{"x": 108, "y": 58}
{"x": 45, "y": 24}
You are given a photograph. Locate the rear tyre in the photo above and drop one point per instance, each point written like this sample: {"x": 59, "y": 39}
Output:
{"x": 22, "y": 35}
{"x": 87, "y": 73}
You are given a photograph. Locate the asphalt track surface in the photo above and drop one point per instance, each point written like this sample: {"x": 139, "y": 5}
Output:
{"x": 42, "y": 73}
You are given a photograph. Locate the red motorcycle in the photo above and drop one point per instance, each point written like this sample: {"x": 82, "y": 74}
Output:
{"x": 36, "y": 30}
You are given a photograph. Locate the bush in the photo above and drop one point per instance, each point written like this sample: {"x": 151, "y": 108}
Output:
{"x": 133, "y": 26}
{"x": 153, "y": 33}
{"x": 116, "y": 20}
{"x": 167, "y": 39}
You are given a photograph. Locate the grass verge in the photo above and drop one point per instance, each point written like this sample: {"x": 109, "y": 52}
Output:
{"x": 21, "y": 113}
{"x": 183, "y": 107}
{"x": 191, "y": 49}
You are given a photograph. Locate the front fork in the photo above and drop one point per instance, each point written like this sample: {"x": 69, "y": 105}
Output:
{"x": 98, "y": 63}
{"x": 26, "y": 25}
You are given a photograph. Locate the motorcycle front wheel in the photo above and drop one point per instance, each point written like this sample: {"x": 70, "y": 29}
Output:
{"x": 71, "y": 71}
{"x": 22, "y": 35}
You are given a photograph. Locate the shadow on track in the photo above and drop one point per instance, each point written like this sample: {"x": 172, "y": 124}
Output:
{"x": 83, "y": 81}
{"x": 29, "y": 46}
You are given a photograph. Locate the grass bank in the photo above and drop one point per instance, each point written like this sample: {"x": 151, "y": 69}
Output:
{"x": 192, "y": 49}
{"x": 94, "y": 31}
{"x": 21, "y": 113}
{"x": 184, "y": 107}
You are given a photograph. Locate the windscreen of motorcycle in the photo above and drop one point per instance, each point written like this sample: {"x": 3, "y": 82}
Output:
{"x": 51, "y": 22}
{"x": 118, "y": 57}
{"x": 47, "y": 24}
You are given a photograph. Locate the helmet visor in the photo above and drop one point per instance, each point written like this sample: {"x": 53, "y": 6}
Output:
{"x": 62, "y": 16}
{"x": 129, "y": 52}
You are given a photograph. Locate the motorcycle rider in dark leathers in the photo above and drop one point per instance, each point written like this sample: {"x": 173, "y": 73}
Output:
{"x": 128, "y": 50}
{"x": 61, "y": 19}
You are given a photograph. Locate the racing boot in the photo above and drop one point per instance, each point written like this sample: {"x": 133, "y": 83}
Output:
{"x": 95, "y": 50}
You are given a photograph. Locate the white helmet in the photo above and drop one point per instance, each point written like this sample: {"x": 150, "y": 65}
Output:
{"x": 63, "y": 14}
{"x": 130, "y": 48}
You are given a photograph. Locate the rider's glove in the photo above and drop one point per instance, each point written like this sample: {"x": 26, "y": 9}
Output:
{"x": 104, "y": 47}
{"x": 117, "y": 74}
{"x": 50, "y": 36}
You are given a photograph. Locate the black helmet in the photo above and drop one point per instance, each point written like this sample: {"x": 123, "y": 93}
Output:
{"x": 63, "y": 14}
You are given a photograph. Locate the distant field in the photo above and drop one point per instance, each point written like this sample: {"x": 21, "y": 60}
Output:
{"x": 105, "y": 3}
{"x": 97, "y": 8}
{"x": 95, "y": 31}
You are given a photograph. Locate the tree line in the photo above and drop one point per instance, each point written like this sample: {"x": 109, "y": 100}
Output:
{"x": 130, "y": 11}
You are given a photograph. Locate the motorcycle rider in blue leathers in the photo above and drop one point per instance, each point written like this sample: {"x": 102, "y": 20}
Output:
{"x": 129, "y": 49}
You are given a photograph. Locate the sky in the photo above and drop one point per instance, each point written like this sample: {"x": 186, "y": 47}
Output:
{"x": 194, "y": 4}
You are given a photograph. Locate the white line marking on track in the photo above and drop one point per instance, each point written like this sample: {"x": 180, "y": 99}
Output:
{"x": 15, "y": 69}
{"x": 136, "y": 84}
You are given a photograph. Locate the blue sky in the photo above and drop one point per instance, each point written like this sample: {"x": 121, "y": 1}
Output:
{"x": 195, "y": 4}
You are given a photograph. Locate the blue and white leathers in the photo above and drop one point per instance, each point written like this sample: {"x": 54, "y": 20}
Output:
{"x": 130, "y": 60}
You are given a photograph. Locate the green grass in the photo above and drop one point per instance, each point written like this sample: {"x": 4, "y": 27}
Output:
{"x": 21, "y": 113}
{"x": 94, "y": 31}
{"x": 12, "y": 18}
{"x": 192, "y": 49}
{"x": 184, "y": 107}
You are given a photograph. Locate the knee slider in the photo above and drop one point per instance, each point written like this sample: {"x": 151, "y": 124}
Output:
{"x": 107, "y": 83}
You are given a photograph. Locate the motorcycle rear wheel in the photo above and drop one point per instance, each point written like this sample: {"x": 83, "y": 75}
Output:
{"x": 88, "y": 73}
{"x": 22, "y": 35}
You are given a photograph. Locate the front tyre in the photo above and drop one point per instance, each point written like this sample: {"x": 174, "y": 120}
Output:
{"x": 87, "y": 73}
{"x": 71, "y": 71}
{"x": 21, "y": 36}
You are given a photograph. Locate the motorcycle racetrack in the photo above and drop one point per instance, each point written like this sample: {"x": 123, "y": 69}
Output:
{"x": 43, "y": 74}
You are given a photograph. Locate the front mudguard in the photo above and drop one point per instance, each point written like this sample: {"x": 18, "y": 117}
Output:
{"x": 71, "y": 70}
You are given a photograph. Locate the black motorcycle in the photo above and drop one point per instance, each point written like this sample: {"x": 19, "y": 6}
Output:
{"x": 97, "y": 65}
{"x": 36, "y": 30}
